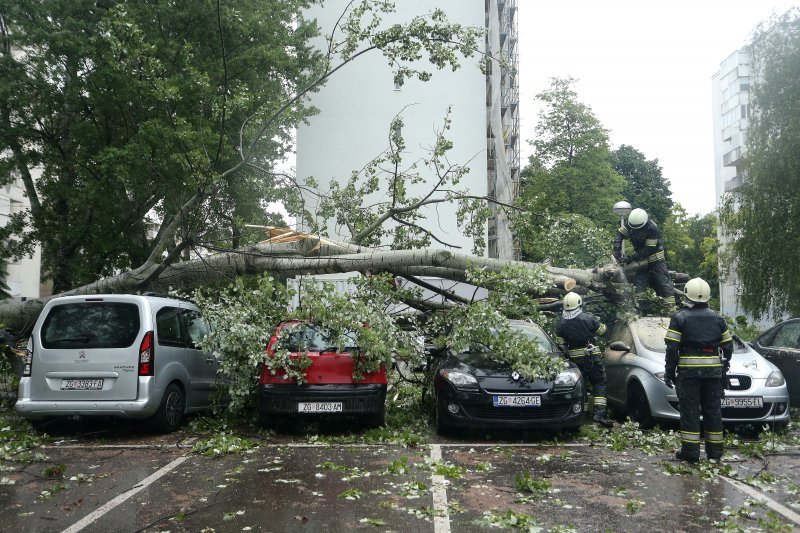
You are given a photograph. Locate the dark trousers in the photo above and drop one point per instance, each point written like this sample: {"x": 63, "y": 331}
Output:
{"x": 656, "y": 275}
{"x": 592, "y": 367}
{"x": 701, "y": 395}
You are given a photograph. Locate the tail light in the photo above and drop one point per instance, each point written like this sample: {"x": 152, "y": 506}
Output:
{"x": 147, "y": 355}
{"x": 28, "y": 360}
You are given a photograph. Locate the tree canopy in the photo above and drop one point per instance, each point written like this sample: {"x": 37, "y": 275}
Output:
{"x": 762, "y": 216}
{"x": 646, "y": 186}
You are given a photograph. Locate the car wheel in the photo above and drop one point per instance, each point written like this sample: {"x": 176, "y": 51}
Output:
{"x": 170, "y": 412}
{"x": 638, "y": 407}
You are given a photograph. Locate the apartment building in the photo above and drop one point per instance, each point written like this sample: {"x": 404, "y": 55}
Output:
{"x": 358, "y": 104}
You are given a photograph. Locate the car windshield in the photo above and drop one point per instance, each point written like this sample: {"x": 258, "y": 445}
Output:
{"x": 300, "y": 337}
{"x": 536, "y": 334}
{"x": 651, "y": 333}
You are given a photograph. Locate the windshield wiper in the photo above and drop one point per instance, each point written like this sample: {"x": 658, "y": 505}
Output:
{"x": 83, "y": 338}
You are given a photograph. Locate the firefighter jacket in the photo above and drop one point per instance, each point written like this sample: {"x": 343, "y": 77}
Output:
{"x": 695, "y": 338}
{"x": 646, "y": 241}
{"x": 578, "y": 333}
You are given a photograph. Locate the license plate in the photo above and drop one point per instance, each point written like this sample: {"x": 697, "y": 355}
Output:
{"x": 81, "y": 384}
{"x": 319, "y": 407}
{"x": 743, "y": 402}
{"x": 517, "y": 401}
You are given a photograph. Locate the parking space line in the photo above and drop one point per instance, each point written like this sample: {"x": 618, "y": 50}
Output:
{"x": 769, "y": 502}
{"x": 146, "y": 482}
{"x": 441, "y": 517}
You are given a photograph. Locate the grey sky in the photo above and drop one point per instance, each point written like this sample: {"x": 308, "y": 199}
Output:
{"x": 645, "y": 67}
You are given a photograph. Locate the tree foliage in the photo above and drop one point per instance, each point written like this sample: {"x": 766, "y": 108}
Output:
{"x": 691, "y": 245}
{"x": 570, "y": 170}
{"x": 646, "y": 187}
{"x": 173, "y": 113}
{"x": 763, "y": 215}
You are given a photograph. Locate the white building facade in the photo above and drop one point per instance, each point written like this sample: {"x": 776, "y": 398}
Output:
{"x": 23, "y": 275}
{"x": 359, "y": 102}
{"x": 730, "y": 101}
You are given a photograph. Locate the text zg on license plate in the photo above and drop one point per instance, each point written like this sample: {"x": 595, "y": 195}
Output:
{"x": 756, "y": 401}
{"x": 81, "y": 384}
{"x": 319, "y": 407}
{"x": 517, "y": 401}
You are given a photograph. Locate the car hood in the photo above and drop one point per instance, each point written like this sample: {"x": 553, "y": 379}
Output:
{"x": 484, "y": 368}
{"x": 748, "y": 362}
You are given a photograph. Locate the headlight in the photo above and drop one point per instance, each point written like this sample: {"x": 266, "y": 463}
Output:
{"x": 567, "y": 379}
{"x": 660, "y": 376}
{"x": 775, "y": 379}
{"x": 459, "y": 380}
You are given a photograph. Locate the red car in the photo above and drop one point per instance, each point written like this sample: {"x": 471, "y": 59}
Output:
{"x": 329, "y": 389}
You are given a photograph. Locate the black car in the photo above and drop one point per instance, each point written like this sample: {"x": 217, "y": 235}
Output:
{"x": 781, "y": 345}
{"x": 473, "y": 391}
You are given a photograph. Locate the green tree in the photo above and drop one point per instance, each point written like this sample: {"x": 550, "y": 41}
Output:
{"x": 646, "y": 187}
{"x": 691, "y": 245}
{"x": 761, "y": 216}
{"x": 570, "y": 170}
{"x": 172, "y": 114}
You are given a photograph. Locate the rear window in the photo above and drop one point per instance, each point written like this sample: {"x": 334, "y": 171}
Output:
{"x": 91, "y": 325}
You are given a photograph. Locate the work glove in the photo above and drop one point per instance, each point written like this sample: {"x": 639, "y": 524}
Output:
{"x": 670, "y": 378}
{"x": 726, "y": 364}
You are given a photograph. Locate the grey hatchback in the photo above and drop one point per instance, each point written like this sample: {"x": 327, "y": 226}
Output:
{"x": 121, "y": 355}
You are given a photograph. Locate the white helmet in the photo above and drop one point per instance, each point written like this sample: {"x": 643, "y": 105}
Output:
{"x": 637, "y": 218}
{"x": 572, "y": 301}
{"x": 697, "y": 290}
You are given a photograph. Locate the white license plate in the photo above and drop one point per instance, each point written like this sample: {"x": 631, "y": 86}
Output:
{"x": 743, "y": 402}
{"x": 81, "y": 384}
{"x": 319, "y": 407}
{"x": 517, "y": 401}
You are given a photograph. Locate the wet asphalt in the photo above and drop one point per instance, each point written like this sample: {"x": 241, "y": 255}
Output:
{"x": 126, "y": 480}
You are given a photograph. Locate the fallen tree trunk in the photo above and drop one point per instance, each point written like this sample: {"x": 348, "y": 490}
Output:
{"x": 290, "y": 253}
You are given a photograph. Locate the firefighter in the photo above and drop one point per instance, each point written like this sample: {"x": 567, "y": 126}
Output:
{"x": 577, "y": 330}
{"x": 699, "y": 349}
{"x": 647, "y": 244}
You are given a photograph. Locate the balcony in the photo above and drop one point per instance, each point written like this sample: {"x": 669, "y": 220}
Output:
{"x": 732, "y": 158}
{"x": 733, "y": 183}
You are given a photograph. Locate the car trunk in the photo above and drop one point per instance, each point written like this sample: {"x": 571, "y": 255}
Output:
{"x": 88, "y": 351}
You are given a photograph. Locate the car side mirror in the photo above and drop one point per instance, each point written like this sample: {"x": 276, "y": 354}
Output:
{"x": 619, "y": 346}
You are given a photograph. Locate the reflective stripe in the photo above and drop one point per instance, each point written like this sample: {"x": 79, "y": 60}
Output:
{"x": 714, "y": 437}
{"x": 581, "y": 352}
{"x": 599, "y": 400}
{"x": 699, "y": 360}
{"x": 650, "y": 242}
{"x": 601, "y": 330}
{"x": 726, "y": 336}
{"x": 673, "y": 335}
{"x": 623, "y": 230}
{"x": 656, "y": 257}
{"x": 690, "y": 436}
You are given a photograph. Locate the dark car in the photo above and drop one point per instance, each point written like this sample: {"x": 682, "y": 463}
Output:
{"x": 781, "y": 346}
{"x": 329, "y": 389}
{"x": 473, "y": 391}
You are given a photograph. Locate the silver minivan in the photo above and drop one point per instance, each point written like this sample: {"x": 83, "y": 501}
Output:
{"x": 119, "y": 355}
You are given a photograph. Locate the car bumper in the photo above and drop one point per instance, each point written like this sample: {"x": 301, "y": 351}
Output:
{"x": 356, "y": 399}
{"x": 476, "y": 410}
{"x": 144, "y": 407}
{"x": 775, "y": 409}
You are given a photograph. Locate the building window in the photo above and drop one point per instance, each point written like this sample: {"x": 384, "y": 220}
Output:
{"x": 744, "y": 111}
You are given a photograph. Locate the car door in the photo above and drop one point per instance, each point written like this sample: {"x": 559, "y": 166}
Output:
{"x": 201, "y": 366}
{"x": 617, "y": 363}
{"x": 782, "y": 348}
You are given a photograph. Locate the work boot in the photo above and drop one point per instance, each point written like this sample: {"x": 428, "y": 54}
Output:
{"x": 682, "y": 456}
{"x": 601, "y": 418}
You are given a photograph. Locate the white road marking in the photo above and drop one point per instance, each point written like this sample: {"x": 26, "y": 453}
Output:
{"x": 146, "y": 482}
{"x": 769, "y": 502}
{"x": 441, "y": 518}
